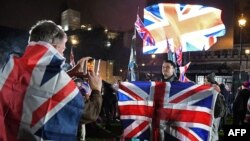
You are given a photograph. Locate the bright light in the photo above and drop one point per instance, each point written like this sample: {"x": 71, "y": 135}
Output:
{"x": 74, "y": 41}
{"x": 106, "y": 30}
{"x": 120, "y": 70}
{"x": 89, "y": 28}
{"x": 242, "y": 21}
{"x": 108, "y": 44}
{"x": 153, "y": 56}
{"x": 143, "y": 64}
{"x": 83, "y": 26}
{"x": 247, "y": 51}
{"x": 65, "y": 28}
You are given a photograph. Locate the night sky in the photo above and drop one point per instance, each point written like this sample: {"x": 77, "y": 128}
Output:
{"x": 116, "y": 15}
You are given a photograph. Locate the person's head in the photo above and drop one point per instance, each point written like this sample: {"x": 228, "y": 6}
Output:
{"x": 246, "y": 85}
{"x": 222, "y": 86}
{"x": 210, "y": 79}
{"x": 78, "y": 82}
{"x": 168, "y": 69}
{"x": 48, "y": 31}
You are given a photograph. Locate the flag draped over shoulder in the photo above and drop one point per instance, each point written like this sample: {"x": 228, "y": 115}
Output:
{"x": 38, "y": 100}
{"x": 162, "y": 110}
{"x": 191, "y": 27}
{"x": 183, "y": 70}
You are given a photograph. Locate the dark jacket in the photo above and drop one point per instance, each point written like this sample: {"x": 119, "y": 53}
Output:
{"x": 173, "y": 78}
{"x": 240, "y": 106}
{"x": 92, "y": 107}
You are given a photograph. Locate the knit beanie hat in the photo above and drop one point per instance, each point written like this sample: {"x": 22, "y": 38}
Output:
{"x": 246, "y": 84}
{"x": 211, "y": 78}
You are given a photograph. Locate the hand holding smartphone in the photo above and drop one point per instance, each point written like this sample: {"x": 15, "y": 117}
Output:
{"x": 91, "y": 65}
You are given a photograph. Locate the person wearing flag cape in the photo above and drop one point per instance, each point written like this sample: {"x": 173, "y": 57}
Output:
{"x": 38, "y": 99}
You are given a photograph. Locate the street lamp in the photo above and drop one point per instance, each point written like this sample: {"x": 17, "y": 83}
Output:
{"x": 153, "y": 56}
{"x": 242, "y": 23}
{"x": 247, "y": 52}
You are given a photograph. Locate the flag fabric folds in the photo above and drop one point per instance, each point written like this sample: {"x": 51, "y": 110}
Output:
{"x": 183, "y": 70}
{"x": 178, "y": 53}
{"x": 162, "y": 110}
{"x": 191, "y": 27}
{"x": 143, "y": 32}
{"x": 38, "y": 100}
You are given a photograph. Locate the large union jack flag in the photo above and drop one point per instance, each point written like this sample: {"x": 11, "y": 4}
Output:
{"x": 191, "y": 27}
{"x": 166, "y": 111}
{"x": 38, "y": 100}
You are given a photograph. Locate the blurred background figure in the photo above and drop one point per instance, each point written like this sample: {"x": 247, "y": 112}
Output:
{"x": 240, "y": 103}
{"x": 219, "y": 106}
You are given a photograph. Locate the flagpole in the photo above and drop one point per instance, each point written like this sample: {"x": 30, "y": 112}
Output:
{"x": 132, "y": 66}
{"x": 72, "y": 57}
{"x": 132, "y": 60}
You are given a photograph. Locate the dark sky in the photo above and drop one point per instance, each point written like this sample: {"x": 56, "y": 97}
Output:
{"x": 116, "y": 15}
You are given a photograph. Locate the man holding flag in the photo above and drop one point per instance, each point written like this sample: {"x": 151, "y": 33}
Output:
{"x": 168, "y": 71}
{"x": 38, "y": 100}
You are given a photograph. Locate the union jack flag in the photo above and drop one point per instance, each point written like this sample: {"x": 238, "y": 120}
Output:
{"x": 161, "y": 110}
{"x": 183, "y": 70}
{"x": 143, "y": 32}
{"x": 38, "y": 100}
{"x": 178, "y": 53}
{"x": 188, "y": 26}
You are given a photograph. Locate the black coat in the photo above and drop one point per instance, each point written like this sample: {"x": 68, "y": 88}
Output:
{"x": 240, "y": 106}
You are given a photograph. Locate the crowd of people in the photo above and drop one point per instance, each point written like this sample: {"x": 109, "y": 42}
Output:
{"x": 100, "y": 97}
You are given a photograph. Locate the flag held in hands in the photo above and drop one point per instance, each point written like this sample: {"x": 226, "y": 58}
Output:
{"x": 38, "y": 100}
{"x": 166, "y": 111}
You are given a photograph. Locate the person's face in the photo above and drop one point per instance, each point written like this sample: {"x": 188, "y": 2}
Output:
{"x": 61, "y": 45}
{"x": 167, "y": 70}
{"x": 206, "y": 81}
{"x": 78, "y": 84}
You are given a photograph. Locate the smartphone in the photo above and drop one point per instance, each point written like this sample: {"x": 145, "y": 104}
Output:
{"x": 91, "y": 65}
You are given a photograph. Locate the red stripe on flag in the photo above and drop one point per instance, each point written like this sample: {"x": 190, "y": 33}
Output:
{"x": 48, "y": 105}
{"x": 186, "y": 133}
{"x": 190, "y": 116}
{"x": 137, "y": 129}
{"x": 134, "y": 95}
{"x": 13, "y": 92}
{"x": 187, "y": 10}
{"x": 158, "y": 104}
{"x": 190, "y": 93}
{"x": 140, "y": 110}
{"x": 211, "y": 41}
